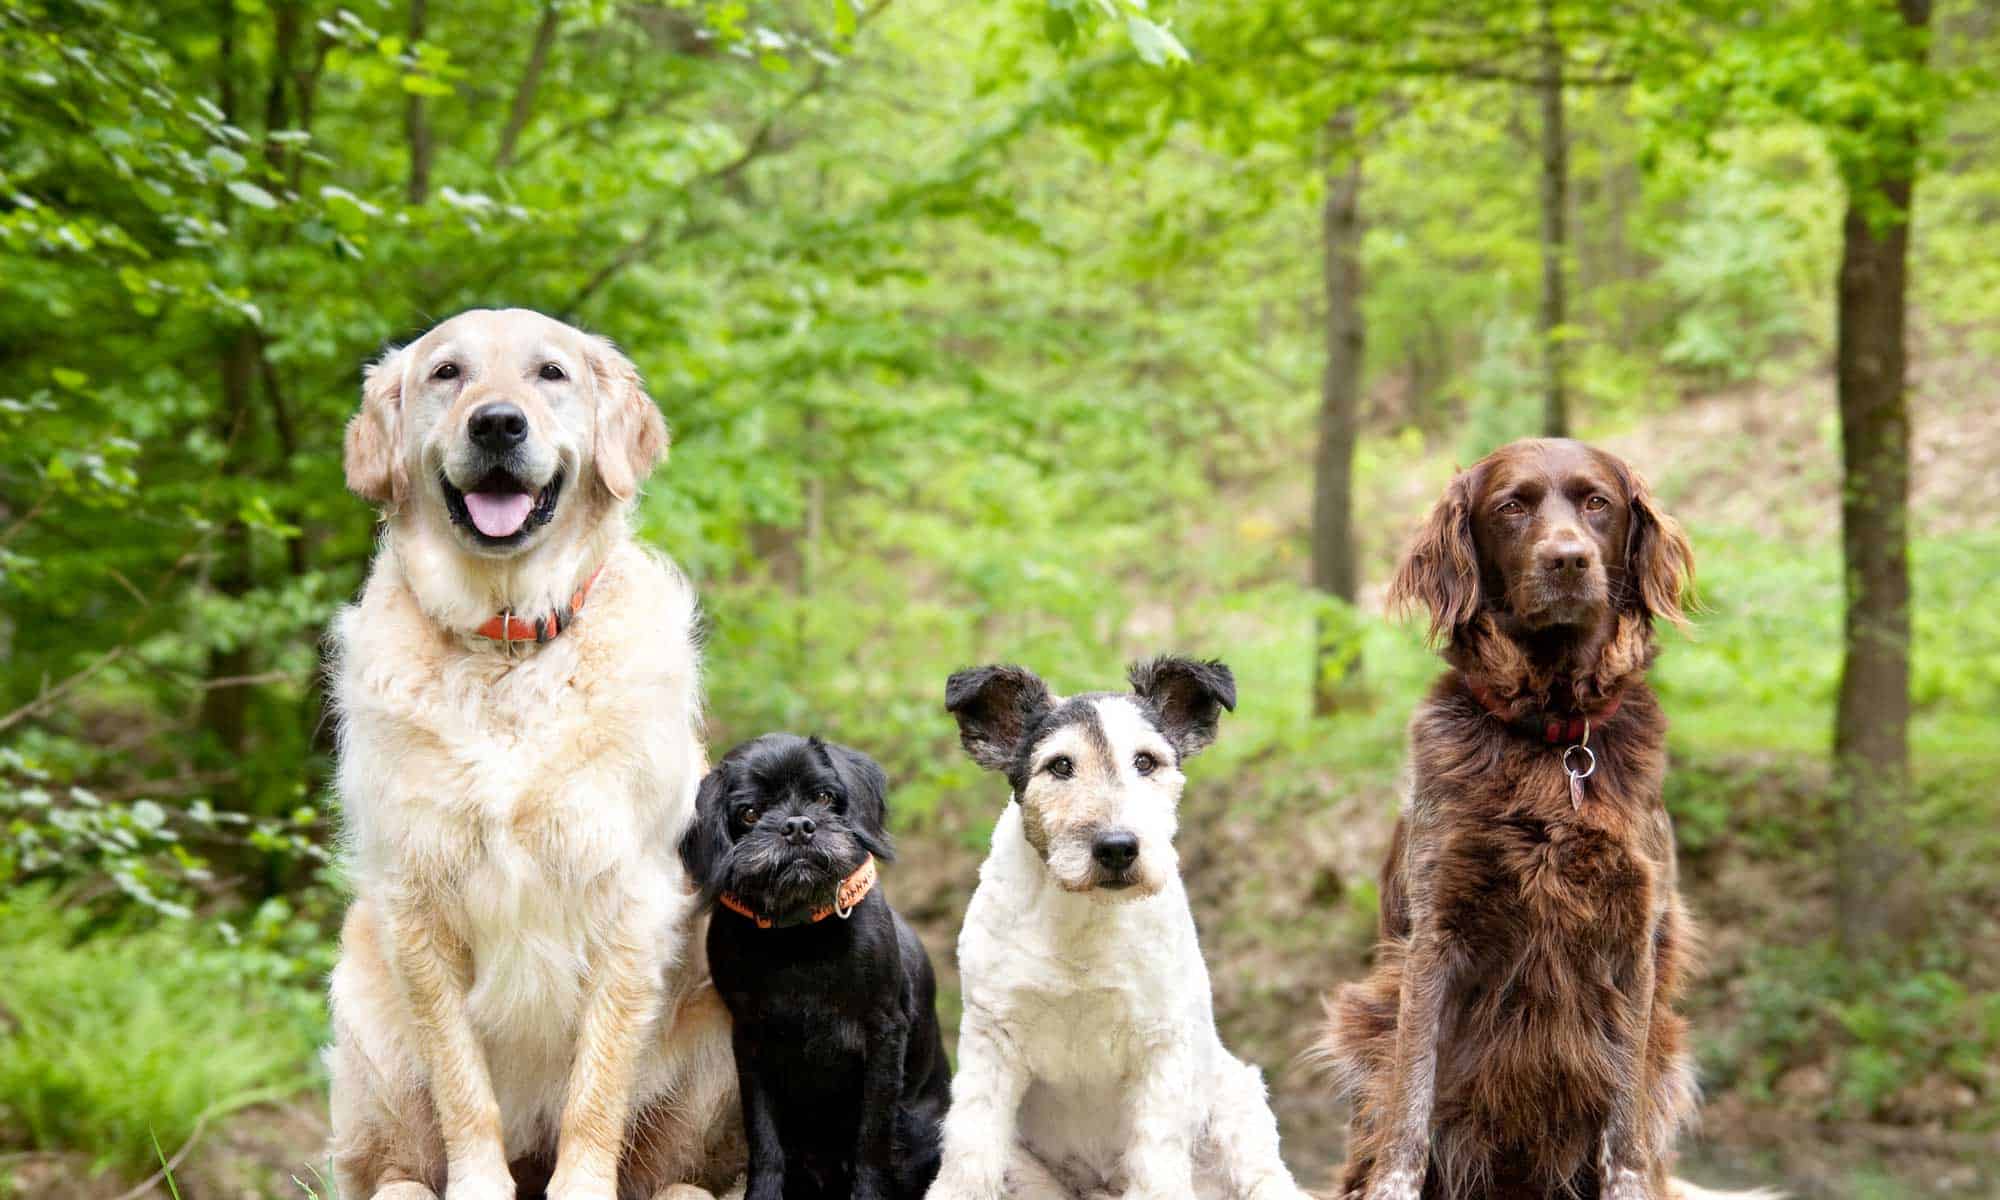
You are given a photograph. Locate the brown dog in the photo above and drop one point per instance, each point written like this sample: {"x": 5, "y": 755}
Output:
{"x": 1517, "y": 1037}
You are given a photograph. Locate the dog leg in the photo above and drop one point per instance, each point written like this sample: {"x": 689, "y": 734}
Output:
{"x": 1629, "y": 1165}
{"x": 979, "y": 1131}
{"x": 619, "y": 1015}
{"x": 1160, "y": 1160}
{"x": 434, "y": 970}
{"x": 406, "y": 1189}
{"x": 1029, "y": 1178}
{"x": 766, "y": 1180}
{"x": 1243, "y": 1135}
{"x": 1399, "y": 1174}
{"x": 875, "y": 1148}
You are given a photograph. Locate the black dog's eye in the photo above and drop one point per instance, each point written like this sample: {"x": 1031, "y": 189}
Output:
{"x": 552, "y": 372}
{"x": 1513, "y": 508}
{"x": 823, "y": 796}
{"x": 746, "y": 815}
{"x": 1596, "y": 504}
{"x": 445, "y": 370}
{"x": 1062, "y": 767}
{"x": 1144, "y": 763}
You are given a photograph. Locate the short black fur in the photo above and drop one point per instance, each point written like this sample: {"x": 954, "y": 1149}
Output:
{"x": 838, "y": 1051}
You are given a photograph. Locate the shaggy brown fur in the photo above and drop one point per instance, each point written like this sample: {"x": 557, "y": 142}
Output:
{"x": 1516, "y": 1039}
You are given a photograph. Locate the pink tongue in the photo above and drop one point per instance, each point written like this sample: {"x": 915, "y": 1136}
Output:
{"x": 498, "y": 514}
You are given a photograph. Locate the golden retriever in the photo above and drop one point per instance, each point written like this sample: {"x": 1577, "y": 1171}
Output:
{"x": 521, "y": 990}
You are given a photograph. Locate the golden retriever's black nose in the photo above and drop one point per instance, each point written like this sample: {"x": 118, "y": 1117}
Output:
{"x": 799, "y": 830}
{"x": 498, "y": 426}
{"x": 1115, "y": 849}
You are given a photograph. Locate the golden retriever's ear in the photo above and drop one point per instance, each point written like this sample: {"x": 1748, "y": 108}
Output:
{"x": 631, "y": 433}
{"x": 374, "y": 461}
{"x": 1441, "y": 571}
{"x": 1659, "y": 561}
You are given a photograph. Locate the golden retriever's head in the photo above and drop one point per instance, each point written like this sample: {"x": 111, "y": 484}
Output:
{"x": 498, "y": 424}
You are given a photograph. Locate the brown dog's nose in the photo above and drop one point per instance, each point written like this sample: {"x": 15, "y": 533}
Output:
{"x": 1566, "y": 556}
{"x": 498, "y": 426}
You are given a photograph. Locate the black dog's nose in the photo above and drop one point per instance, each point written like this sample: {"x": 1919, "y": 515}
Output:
{"x": 1115, "y": 849}
{"x": 498, "y": 426}
{"x": 1567, "y": 557}
{"x": 799, "y": 830}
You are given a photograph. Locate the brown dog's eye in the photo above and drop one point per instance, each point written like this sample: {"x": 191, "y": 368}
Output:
{"x": 1513, "y": 508}
{"x": 552, "y": 372}
{"x": 1144, "y": 763}
{"x": 1596, "y": 504}
{"x": 1061, "y": 767}
{"x": 448, "y": 370}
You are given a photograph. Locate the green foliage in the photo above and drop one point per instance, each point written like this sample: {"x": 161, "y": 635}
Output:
{"x": 118, "y": 1036}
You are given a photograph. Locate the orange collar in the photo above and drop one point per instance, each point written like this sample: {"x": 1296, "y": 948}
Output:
{"x": 850, "y": 893}
{"x": 506, "y": 627}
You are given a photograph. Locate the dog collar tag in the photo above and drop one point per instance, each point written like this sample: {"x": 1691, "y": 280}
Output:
{"x": 1588, "y": 767}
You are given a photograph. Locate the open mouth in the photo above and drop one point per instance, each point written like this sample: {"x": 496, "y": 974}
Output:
{"x": 499, "y": 510}
{"x": 1117, "y": 883}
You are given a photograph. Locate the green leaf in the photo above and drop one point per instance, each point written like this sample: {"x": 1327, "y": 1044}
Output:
{"x": 69, "y": 378}
{"x": 252, "y": 195}
{"x": 1154, "y": 44}
{"x": 226, "y": 161}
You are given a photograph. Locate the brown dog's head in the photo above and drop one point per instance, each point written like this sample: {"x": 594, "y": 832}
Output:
{"x": 1546, "y": 534}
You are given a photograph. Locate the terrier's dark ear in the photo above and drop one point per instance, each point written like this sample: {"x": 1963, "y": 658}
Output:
{"x": 1441, "y": 571}
{"x": 1188, "y": 696}
{"x": 1659, "y": 562}
{"x": 994, "y": 707}
{"x": 867, "y": 797}
{"x": 706, "y": 842}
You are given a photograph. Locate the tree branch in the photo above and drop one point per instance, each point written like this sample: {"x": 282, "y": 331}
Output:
{"x": 524, "y": 92}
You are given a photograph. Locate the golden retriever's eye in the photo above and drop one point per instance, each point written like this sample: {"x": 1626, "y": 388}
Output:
{"x": 1062, "y": 766}
{"x": 552, "y": 372}
{"x": 445, "y": 370}
{"x": 1513, "y": 508}
{"x": 1596, "y": 504}
{"x": 1145, "y": 763}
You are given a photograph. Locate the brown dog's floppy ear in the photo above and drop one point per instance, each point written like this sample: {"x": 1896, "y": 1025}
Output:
{"x": 1659, "y": 562}
{"x": 631, "y": 433}
{"x": 1189, "y": 697}
{"x": 994, "y": 707}
{"x": 1441, "y": 571}
{"x": 374, "y": 454}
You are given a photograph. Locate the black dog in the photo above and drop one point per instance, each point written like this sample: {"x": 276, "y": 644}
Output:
{"x": 838, "y": 1050}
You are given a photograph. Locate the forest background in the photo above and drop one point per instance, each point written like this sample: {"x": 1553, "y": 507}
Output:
{"x": 1054, "y": 331}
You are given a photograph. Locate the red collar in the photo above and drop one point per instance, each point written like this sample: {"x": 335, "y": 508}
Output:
{"x": 1552, "y": 728}
{"x": 506, "y": 627}
{"x": 845, "y": 897}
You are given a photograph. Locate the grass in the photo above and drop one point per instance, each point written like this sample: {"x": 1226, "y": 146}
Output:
{"x": 118, "y": 1039}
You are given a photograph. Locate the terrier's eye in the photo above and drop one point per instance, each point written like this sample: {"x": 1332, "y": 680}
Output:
{"x": 746, "y": 815}
{"x": 823, "y": 796}
{"x": 1596, "y": 504}
{"x": 552, "y": 372}
{"x": 1144, "y": 763}
{"x": 445, "y": 370}
{"x": 1062, "y": 767}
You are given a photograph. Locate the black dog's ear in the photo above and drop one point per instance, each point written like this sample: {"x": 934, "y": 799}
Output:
{"x": 994, "y": 707}
{"x": 867, "y": 797}
{"x": 1189, "y": 696}
{"x": 706, "y": 842}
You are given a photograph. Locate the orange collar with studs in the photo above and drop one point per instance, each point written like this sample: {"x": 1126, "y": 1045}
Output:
{"x": 506, "y": 627}
{"x": 852, "y": 891}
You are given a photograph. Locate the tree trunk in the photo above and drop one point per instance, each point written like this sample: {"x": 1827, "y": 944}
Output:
{"x": 1554, "y": 311}
{"x": 416, "y": 117}
{"x": 524, "y": 93}
{"x": 225, "y": 709}
{"x": 1337, "y": 662}
{"x": 1878, "y": 897}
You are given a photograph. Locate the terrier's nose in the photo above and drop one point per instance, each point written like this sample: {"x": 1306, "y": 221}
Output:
{"x": 1115, "y": 849}
{"x": 799, "y": 830}
{"x": 498, "y": 426}
{"x": 1566, "y": 556}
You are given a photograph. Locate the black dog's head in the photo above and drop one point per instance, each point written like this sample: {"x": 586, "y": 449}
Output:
{"x": 782, "y": 820}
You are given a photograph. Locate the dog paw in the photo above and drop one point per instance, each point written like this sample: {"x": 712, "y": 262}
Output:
{"x": 479, "y": 1185}
{"x": 1402, "y": 1183}
{"x": 965, "y": 1185}
{"x": 1624, "y": 1183}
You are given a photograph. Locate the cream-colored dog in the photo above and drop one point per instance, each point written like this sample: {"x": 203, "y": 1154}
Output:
{"x": 521, "y": 978}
